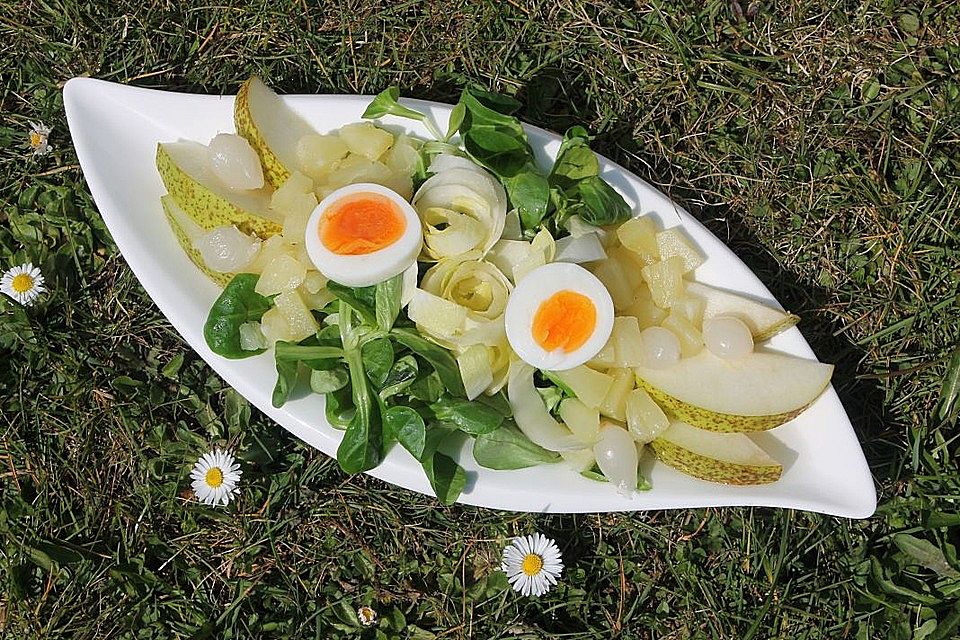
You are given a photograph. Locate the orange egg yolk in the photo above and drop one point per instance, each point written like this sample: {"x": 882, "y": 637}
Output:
{"x": 361, "y": 223}
{"x": 564, "y": 321}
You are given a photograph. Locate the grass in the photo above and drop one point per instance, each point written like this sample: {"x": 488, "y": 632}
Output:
{"x": 821, "y": 141}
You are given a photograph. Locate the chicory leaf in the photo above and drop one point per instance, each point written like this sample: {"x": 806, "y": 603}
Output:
{"x": 507, "y": 448}
{"x": 237, "y": 304}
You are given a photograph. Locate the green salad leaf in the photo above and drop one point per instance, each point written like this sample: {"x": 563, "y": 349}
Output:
{"x": 507, "y": 448}
{"x": 474, "y": 418}
{"x": 237, "y": 304}
{"x": 360, "y": 449}
{"x": 444, "y": 363}
{"x": 387, "y": 301}
{"x": 387, "y": 102}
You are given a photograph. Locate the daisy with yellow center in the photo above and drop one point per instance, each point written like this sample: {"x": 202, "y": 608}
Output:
{"x": 532, "y": 564}
{"x": 24, "y": 283}
{"x": 366, "y": 616}
{"x": 39, "y": 139}
{"x": 215, "y": 477}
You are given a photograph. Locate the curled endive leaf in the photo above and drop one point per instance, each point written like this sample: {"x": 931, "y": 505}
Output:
{"x": 463, "y": 210}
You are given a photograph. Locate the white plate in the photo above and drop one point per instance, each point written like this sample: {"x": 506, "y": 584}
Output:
{"x": 116, "y": 129}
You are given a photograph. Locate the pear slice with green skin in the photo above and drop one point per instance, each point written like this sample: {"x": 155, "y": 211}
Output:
{"x": 186, "y": 232}
{"x": 763, "y": 320}
{"x": 757, "y": 392}
{"x": 271, "y": 127}
{"x": 185, "y": 170}
{"x": 728, "y": 458}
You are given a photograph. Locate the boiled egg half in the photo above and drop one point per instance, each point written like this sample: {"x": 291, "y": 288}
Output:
{"x": 363, "y": 234}
{"x": 558, "y": 316}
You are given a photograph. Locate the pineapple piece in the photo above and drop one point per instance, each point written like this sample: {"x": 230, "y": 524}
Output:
{"x": 283, "y": 273}
{"x": 627, "y": 345}
{"x": 639, "y": 235}
{"x": 356, "y": 168}
{"x": 611, "y": 274}
{"x": 665, "y": 279}
{"x": 365, "y": 139}
{"x": 295, "y": 201}
{"x": 316, "y": 300}
{"x": 691, "y": 340}
{"x": 579, "y": 460}
{"x": 630, "y": 265}
{"x": 644, "y": 310}
{"x": 314, "y": 281}
{"x": 675, "y": 242}
{"x": 614, "y": 404}
{"x": 606, "y": 357}
{"x": 583, "y": 421}
{"x": 270, "y": 249}
{"x": 588, "y": 385}
{"x": 319, "y": 155}
{"x": 403, "y": 158}
{"x": 692, "y": 308}
{"x": 298, "y": 317}
{"x": 275, "y": 327}
{"x": 645, "y": 418}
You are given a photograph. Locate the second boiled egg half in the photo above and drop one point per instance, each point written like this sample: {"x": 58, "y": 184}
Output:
{"x": 558, "y": 316}
{"x": 363, "y": 234}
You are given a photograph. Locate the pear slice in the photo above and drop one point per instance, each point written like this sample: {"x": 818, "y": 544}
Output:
{"x": 271, "y": 127}
{"x": 185, "y": 170}
{"x": 763, "y": 320}
{"x": 730, "y": 458}
{"x": 186, "y": 232}
{"x": 757, "y": 392}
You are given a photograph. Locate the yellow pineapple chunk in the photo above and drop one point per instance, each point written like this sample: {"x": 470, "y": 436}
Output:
{"x": 583, "y": 421}
{"x": 645, "y": 418}
{"x": 691, "y": 340}
{"x": 299, "y": 319}
{"x": 628, "y": 349}
{"x": 614, "y": 404}
{"x": 639, "y": 235}
{"x": 356, "y": 168}
{"x": 630, "y": 265}
{"x": 675, "y": 242}
{"x": 283, "y": 273}
{"x": 644, "y": 310}
{"x": 365, "y": 139}
{"x": 275, "y": 327}
{"x": 665, "y": 280}
{"x": 611, "y": 274}
{"x": 319, "y": 155}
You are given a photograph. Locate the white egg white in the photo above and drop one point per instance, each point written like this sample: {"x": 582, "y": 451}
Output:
{"x": 370, "y": 268}
{"x": 535, "y": 288}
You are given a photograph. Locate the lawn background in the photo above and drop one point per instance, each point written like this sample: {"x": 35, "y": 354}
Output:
{"x": 819, "y": 140}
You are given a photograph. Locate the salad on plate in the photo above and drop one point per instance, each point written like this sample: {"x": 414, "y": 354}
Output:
{"x": 447, "y": 288}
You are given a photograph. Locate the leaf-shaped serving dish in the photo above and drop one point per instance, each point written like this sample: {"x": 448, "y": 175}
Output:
{"x": 116, "y": 129}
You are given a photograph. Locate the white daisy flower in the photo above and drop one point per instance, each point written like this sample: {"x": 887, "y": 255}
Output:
{"x": 24, "y": 283}
{"x": 532, "y": 564}
{"x": 366, "y": 616}
{"x": 39, "y": 139}
{"x": 215, "y": 477}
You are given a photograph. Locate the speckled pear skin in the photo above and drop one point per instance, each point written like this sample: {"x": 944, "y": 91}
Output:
{"x": 768, "y": 332}
{"x": 713, "y": 421}
{"x": 205, "y": 207}
{"x": 711, "y": 469}
{"x": 221, "y": 279}
{"x": 273, "y": 170}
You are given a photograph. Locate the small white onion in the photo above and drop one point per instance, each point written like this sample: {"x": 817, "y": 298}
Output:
{"x": 660, "y": 347}
{"x": 227, "y": 249}
{"x": 727, "y": 337}
{"x": 616, "y": 454}
{"x": 234, "y": 162}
